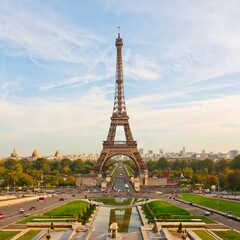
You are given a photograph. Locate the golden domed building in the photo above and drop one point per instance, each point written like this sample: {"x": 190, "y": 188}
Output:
{"x": 35, "y": 154}
{"x": 14, "y": 154}
{"x": 57, "y": 154}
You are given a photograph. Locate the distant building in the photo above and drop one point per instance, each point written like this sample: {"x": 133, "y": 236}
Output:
{"x": 233, "y": 153}
{"x": 35, "y": 154}
{"x": 183, "y": 151}
{"x": 150, "y": 152}
{"x": 161, "y": 151}
{"x": 14, "y": 154}
{"x": 57, "y": 154}
{"x": 141, "y": 151}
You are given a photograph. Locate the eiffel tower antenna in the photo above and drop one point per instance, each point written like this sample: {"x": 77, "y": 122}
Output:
{"x": 119, "y": 118}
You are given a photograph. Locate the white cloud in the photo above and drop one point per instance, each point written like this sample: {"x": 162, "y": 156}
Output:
{"x": 8, "y": 88}
{"x": 184, "y": 46}
{"x": 34, "y": 35}
{"x": 139, "y": 68}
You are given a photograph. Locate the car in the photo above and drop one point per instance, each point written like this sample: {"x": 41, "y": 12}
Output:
{"x": 21, "y": 210}
{"x": 2, "y": 215}
{"x": 61, "y": 199}
{"x": 32, "y": 208}
{"x": 41, "y": 198}
{"x": 229, "y": 214}
{"x": 158, "y": 192}
{"x": 207, "y": 213}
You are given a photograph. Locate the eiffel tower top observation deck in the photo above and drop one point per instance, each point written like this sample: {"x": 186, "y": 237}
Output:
{"x": 119, "y": 118}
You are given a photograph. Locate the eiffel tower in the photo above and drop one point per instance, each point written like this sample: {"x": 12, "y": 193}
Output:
{"x": 120, "y": 118}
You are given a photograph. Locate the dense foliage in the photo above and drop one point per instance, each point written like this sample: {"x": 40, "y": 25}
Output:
{"x": 41, "y": 172}
{"x": 223, "y": 173}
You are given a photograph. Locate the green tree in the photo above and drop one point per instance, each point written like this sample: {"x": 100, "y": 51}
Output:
{"x": 77, "y": 165}
{"x": 26, "y": 164}
{"x": 176, "y": 165}
{"x": 151, "y": 165}
{"x": 13, "y": 166}
{"x": 235, "y": 163}
{"x": 187, "y": 173}
{"x": 221, "y": 165}
{"x": 233, "y": 180}
{"x": 162, "y": 163}
{"x": 66, "y": 163}
{"x": 24, "y": 180}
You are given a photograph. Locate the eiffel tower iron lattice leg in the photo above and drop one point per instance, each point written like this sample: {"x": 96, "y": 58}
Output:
{"x": 119, "y": 118}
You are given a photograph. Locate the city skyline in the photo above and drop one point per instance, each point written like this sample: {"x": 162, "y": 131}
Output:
{"x": 180, "y": 66}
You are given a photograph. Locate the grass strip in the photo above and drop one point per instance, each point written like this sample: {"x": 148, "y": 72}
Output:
{"x": 203, "y": 235}
{"x": 161, "y": 208}
{"x": 214, "y": 203}
{"x": 228, "y": 235}
{"x": 40, "y": 217}
{"x": 113, "y": 202}
{"x": 7, "y": 235}
{"x": 29, "y": 235}
{"x": 70, "y": 209}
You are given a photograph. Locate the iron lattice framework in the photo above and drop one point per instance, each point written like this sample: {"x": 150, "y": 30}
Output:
{"x": 119, "y": 118}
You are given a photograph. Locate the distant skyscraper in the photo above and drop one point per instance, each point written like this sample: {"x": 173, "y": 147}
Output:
{"x": 161, "y": 151}
{"x": 150, "y": 152}
{"x": 233, "y": 153}
{"x": 183, "y": 150}
{"x": 141, "y": 151}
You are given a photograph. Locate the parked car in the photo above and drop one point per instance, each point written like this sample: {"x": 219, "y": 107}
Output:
{"x": 32, "y": 208}
{"x": 21, "y": 210}
{"x": 159, "y": 192}
{"x": 2, "y": 215}
{"x": 61, "y": 199}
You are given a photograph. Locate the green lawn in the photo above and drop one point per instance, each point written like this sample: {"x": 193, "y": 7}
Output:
{"x": 113, "y": 170}
{"x": 113, "y": 202}
{"x": 203, "y": 235}
{"x": 187, "y": 218}
{"x": 218, "y": 204}
{"x": 128, "y": 170}
{"x": 30, "y": 218}
{"x": 162, "y": 208}
{"x": 29, "y": 235}
{"x": 7, "y": 235}
{"x": 75, "y": 209}
{"x": 68, "y": 209}
{"x": 228, "y": 235}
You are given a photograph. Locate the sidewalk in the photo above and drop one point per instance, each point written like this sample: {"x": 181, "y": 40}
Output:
{"x": 12, "y": 201}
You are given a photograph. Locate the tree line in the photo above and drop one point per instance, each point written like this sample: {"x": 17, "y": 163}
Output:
{"x": 207, "y": 172}
{"x": 41, "y": 172}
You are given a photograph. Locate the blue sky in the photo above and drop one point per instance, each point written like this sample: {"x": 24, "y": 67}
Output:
{"x": 57, "y": 70}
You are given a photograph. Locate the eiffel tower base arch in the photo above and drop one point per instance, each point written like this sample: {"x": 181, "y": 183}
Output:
{"x": 111, "y": 150}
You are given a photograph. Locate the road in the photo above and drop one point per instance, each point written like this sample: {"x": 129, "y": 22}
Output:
{"x": 13, "y": 215}
{"x": 215, "y": 217}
